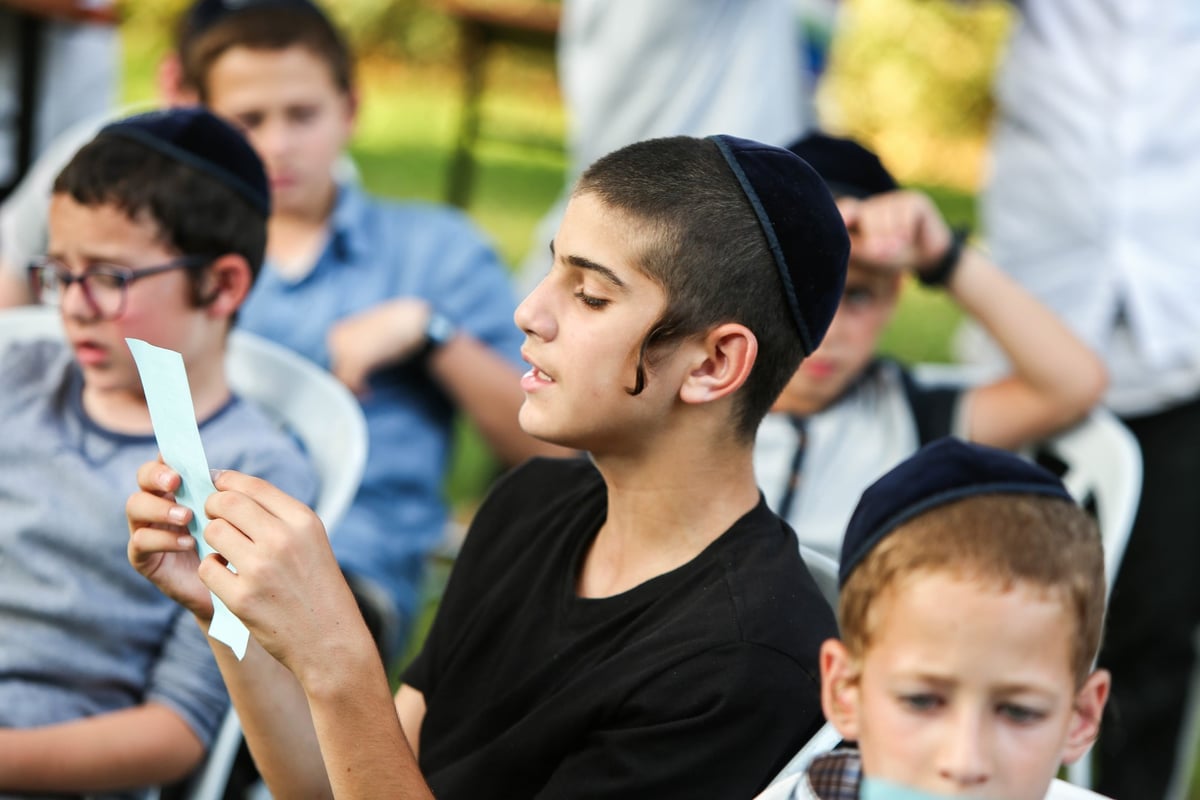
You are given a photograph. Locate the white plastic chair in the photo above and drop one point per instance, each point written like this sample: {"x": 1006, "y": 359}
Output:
{"x": 303, "y": 399}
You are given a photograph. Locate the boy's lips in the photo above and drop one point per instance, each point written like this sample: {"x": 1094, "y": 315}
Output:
{"x": 534, "y": 377}
{"x": 819, "y": 367}
{"x": 89, "y": 353}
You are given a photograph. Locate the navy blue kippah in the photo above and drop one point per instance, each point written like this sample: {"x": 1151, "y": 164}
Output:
{"x": 203, "y": 14}
{"x": 804, "y": 230}
{"x": 941, "y": 472}
{"x": 205, "y": 142}
{"x": 847, "y": 167}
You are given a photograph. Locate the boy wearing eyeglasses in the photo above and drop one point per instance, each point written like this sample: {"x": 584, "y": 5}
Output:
{"x": 157, "y": 228}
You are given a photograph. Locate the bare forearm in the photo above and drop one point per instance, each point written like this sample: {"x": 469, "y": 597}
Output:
{"x": 276, "y": 721}
{"x": 365, "y": 750}
{"x": 1056, "y": 378}
{"x": 337, "y": 736}
{"x": 141, "y": 746}
{"x": 488, "y": 389}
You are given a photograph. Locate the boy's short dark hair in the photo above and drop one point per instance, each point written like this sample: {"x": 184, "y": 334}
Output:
{"x": 703, "y": 242}
{"x": 270, "y": 26}
{"x": 195, "y": 213}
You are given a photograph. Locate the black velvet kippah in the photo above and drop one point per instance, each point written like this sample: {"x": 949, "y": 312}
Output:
{"x": 203, "y": 14}
{"x": 804, "y": 230}
{"x": 847, "y": 167}
{"x": 941, "y": 472}
{"x": 203, "y": 141}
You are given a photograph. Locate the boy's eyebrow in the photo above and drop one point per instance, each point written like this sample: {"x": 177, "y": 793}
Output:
{"x": 945, "y": 682}
{"x": 600, "y": 269}
{"x": 580, "y": 262}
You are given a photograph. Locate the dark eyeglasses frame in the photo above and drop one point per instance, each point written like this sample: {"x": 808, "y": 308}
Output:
{"x": 124, "y": 276}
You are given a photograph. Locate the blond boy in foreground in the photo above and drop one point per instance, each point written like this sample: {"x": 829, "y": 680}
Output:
{"x": 972, "y": 601}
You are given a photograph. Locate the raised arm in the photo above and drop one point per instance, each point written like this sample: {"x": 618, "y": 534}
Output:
{"x": 311, "y": 693}
{"x": 1055, "y": 380}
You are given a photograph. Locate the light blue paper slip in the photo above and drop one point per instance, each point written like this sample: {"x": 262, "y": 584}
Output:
{"x": 873, "y": 789}
{"x": 164, "y": 380}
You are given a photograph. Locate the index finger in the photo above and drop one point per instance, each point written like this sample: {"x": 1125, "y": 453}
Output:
{"x": 273, "y": 500}
{"x": 155, "y": 476}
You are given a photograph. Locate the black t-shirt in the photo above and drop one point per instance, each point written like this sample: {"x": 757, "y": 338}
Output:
{"x": 701, "y": 682}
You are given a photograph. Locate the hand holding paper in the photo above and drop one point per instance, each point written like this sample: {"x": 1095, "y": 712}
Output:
{"x": 169, "y": 399}
{"x": 288, "y": 588}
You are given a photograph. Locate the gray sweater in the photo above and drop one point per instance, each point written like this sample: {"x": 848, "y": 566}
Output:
{"x": 81, "y": 632}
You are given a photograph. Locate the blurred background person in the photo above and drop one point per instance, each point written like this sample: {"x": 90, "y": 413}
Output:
{"x": 631, "y": 70}
{"x": 1091, "y": 205}
{"x": 59, "y": 63}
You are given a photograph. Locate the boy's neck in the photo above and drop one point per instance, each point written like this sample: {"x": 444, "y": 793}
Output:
{"x": 664, "y": 508}
{"x": 294, "y": 247}
{"x": 295, "y": 238}
{"x": 126, "y": 412}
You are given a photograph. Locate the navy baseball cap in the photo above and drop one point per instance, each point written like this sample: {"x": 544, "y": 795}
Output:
{"x": 941, "y": 472}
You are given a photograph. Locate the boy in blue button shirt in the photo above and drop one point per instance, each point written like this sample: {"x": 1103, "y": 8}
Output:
{"x": 405, "y": 303}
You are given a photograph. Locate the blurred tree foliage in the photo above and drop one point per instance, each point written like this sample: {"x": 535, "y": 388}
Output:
{"x": 416, "y": 31}
{"x": 913, "y": 79}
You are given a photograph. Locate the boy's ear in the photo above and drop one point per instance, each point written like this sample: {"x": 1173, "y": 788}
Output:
{"x": 722, "y": 366}
{"x": 839, "y": 688}
{"x": 1085, "y": 719}
{"x": 169, "y": 81}
{"x": 227, "y": 282}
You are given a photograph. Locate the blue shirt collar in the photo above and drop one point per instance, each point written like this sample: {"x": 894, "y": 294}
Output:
{"x": 347, "y": 226}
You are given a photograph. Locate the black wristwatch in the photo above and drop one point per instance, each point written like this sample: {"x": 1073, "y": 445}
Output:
{"x": 939, "y": 274}
{"x": 438, "y": 331}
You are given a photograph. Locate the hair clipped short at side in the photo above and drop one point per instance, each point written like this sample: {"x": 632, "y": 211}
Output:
{"x": 699, "y": 239}
{"x": 270, "y": 26}
{"x": 997, "y": 540}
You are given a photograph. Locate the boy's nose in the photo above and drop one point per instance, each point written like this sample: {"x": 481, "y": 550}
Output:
{"x": 533, "y": 315}
{"x": 272, "y": 141}
{"x": 965, "y": 758}
{"x": 75, "y": 303}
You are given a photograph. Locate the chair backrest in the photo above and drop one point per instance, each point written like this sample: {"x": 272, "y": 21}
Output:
{"x": 824, "y": 571}
{"x": 308, "y": 401}
{"x": 303, "y": 398}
